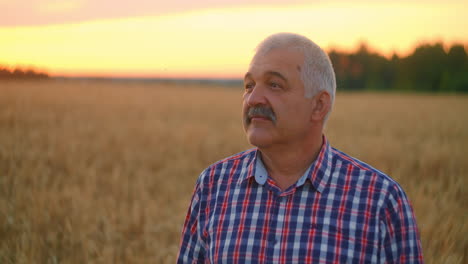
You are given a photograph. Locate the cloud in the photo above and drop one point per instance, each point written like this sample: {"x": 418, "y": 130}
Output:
{"x": 59, "y": 7}
{"x": 44, "y": 12}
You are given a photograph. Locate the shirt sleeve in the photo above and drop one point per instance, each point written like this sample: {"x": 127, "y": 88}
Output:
{"x": 191, "y": 245}
{"x": 400, "y": 242}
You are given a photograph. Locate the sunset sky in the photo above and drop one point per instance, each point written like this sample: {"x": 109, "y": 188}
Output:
{"x": 206, "y": 38}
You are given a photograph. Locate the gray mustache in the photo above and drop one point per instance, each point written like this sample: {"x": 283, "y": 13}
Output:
{"x": 261, "y": 111}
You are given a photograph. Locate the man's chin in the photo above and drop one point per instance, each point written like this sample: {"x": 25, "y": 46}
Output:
{"x": 259, "y": 140}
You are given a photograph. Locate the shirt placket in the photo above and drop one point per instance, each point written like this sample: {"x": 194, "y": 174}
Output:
{"x": 273, "y": 236}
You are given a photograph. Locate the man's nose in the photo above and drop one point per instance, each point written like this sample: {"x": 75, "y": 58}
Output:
{"x": 257, "y": 96}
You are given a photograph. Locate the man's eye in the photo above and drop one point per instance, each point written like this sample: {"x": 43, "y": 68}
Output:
{"x": 249, "y": 86}
{"x": 275, "y": 85}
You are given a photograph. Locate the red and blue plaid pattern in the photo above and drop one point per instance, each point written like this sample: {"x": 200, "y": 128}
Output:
{"x": 341, "y": 211}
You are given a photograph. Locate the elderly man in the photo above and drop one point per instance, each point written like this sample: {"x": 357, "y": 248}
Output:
{"x": 294, "y": 198}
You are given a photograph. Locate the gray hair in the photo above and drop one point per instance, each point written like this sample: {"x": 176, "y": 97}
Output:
{"x": 317, "y": 72}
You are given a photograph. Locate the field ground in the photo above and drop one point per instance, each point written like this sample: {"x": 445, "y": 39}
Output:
{"x": 102, "y": 172}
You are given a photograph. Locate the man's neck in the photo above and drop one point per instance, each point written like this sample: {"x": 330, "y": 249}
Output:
{"x": 287, "y": 163}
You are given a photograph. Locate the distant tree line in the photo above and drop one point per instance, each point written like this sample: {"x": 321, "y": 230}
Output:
{"x": 19, "y": 74}
{"x": 429, "y": 68}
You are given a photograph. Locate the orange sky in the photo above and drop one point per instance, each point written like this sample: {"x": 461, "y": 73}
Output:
{"x": 206, "y": 38}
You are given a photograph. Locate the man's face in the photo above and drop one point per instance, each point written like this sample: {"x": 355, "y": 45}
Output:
{"x": 275, "y": 110}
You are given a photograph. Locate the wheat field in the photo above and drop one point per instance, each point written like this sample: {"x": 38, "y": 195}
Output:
{"x": 102, "y": 172}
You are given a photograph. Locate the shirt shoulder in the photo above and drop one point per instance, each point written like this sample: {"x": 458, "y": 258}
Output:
{"x": 359, "y": 167}
{"x": 246, "y": 154}
{"x": 386, "y": 191}
{"x": 237, "y": 165}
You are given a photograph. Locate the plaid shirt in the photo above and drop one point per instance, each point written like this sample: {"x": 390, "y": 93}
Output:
{"x": 340, "y": 211}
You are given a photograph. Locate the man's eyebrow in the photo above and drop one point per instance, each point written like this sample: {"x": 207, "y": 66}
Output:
{"x": 277, "y": 74}
{"x": 274, "y": 73}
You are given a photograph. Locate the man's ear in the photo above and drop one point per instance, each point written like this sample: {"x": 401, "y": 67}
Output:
{"x": 321, "y": 106}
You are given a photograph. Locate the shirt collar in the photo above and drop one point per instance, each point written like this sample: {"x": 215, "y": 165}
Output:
{"x": 260, "y": 172}
{"x": 321, "y": 168}
{"x": 318, "y": 172}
